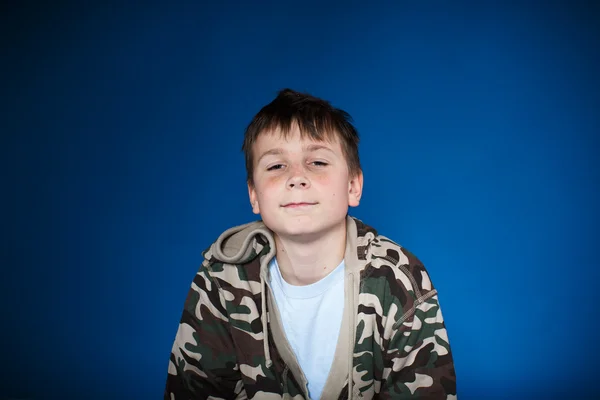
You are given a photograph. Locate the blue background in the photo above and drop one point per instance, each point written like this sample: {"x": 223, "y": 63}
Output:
{"x": 121, "y": 135}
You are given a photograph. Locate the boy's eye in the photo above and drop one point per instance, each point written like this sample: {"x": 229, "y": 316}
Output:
{"x": 275, "y": 167}
{"x": 319, "y": 163}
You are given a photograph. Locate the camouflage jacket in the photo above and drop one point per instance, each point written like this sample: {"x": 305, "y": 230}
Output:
{"x": 231, "y": 344}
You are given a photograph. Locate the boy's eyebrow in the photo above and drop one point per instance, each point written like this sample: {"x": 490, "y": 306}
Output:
{"x": 271, "y": 152}
{"x": 278, "y": 151}
{"x": 315, "y": 147}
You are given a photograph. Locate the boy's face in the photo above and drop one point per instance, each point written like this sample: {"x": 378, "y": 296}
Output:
{"x": 301, "y": 187}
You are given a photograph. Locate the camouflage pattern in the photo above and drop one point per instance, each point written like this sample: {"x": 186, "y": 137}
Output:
{"x": 400, "y": 347}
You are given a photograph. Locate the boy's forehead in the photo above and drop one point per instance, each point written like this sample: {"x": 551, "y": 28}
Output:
{"x": 276, "y": 136}
{"x": 277, "y": 143}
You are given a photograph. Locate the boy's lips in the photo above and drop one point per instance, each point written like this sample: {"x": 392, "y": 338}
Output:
{"x": 298, "y": 204}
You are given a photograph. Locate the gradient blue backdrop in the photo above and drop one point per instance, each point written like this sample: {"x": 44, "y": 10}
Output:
{"x": 121, "y": 135}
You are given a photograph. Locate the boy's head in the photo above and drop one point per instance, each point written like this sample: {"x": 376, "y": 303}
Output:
{"x": 302, "y": 164}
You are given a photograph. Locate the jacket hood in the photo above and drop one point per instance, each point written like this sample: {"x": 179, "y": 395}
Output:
{"x": 242, "y": 243}
{"x": 238, "y": 245}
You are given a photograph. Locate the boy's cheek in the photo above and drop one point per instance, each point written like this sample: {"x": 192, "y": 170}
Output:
{"x": 322, "y": 180}
{"x": 272, "y": 183}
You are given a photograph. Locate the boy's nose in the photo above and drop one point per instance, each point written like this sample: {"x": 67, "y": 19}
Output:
{"x": 298, "y": 180}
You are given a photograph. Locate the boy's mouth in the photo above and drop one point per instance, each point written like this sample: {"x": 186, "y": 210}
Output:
{"x": 297, "y": 205}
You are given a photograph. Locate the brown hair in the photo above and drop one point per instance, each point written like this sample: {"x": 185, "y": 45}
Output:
{"x": 315, "y": 117}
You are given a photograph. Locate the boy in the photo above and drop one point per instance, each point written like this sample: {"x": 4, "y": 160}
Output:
{"x": 308, "y": 302}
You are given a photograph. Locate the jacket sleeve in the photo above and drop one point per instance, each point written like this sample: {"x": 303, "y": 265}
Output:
{"x": 418, "y": 360}
{"x": 203, "y": 361}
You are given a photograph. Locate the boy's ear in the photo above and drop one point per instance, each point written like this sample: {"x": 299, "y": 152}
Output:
{"x": 355, "y": 186}
{"x": 253, "y": 199}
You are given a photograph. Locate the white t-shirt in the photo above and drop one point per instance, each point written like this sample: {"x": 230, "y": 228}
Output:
{"x": 311, "y": 317}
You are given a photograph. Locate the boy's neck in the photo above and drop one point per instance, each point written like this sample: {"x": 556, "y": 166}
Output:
{"x": 305, "y": 262}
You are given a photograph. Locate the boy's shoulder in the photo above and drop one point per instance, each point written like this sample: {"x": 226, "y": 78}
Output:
{"x": 377, "y": 246}
{"x": 385, "y": 259}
